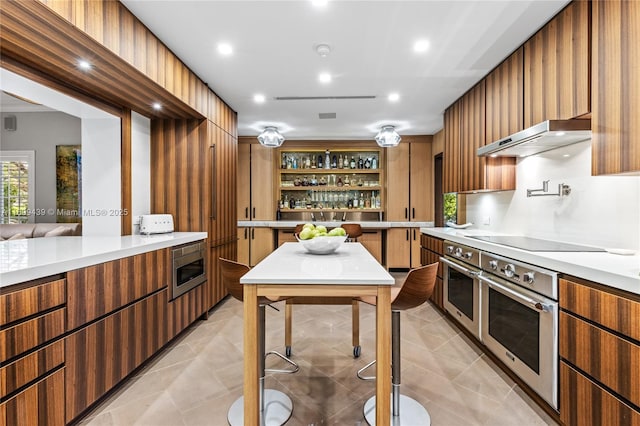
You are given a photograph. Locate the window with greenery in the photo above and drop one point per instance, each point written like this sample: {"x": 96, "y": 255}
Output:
{"x": 450, "y": 207}
{"x": 17, "y": 189}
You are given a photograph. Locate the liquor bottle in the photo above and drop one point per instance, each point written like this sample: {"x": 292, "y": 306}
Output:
{"x": 352, "y": 164}
{"x": 367, "y": 163}
{"x": 327, "y": 160}
{"x": 289, "y": 162}
{"x": 378, "y": 200}
{"x": 319, "y": 161}
{"x": 367, "y": 202}
{"x": 292, "y": 203}
{"x": 283, "y": 163}
{"x": 334, "y": 162}
{"x": 278, "y": 213}
{"x": 350, "y": 203}
{"x": 374, "y": 163}
{"x": 360, "y": 162}
{"x": 340, "y": 161}
{"x": 361, "y": 205}
{"x": 295, "y": 162}
{"x": 356, "y": 202}
{"x": 339, "y": 182}
{"x": 313, "y": 162}
{"x": 346, "y": 162}
{"x": 308, "y": 162}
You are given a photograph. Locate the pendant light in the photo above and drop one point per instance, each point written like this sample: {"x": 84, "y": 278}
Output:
{"x": 270, "y": 137}
{"x": 388, "y": 137}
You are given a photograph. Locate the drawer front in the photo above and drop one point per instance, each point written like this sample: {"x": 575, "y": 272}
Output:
{"x": 97, "y": 290}
{"x": 612, "y": 311}
{"x": 431, "y": 243}
{"x": 30, "y": 301}
{"x": 30, "y": 367}
{"x": 285, "y": 237}
{"x": 584, "y": 403}
{"x": 29, "y": 334}
{"x": 41, "y": 404}
{"x": 612, "y": 361}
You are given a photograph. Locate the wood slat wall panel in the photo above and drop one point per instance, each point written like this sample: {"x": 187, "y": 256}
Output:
{"x": 97, "y": 290}
{"x": 615, "y": 87}
{"x": 30, "y": 367}
{"x": 41, "y": 404}
{"x": 505, "y": 98}
{"x": 218, "y": 291}
{"x": 39, "y": 38}
{"x": 126, "y": 222}
{"x": 178, "y": 187}
{"x": 590, "y": 303}
{"x": 584, "y": 403}
{"x": 30, "y": 334}
{"x": 612, "y": 361}
{"x": 451, "y": 155}
{"x": 100, "y": 355}
{"x": 557, "y": 67}
{"x": 224, "y": 220}
{"x": 26, "y": 302}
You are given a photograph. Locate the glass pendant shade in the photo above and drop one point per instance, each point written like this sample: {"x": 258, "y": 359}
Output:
{"x": 270, "y": 137}
{"x": 387, "y": 137}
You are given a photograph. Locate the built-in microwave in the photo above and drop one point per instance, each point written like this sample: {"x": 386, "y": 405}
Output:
{"x": 189, "y": 267}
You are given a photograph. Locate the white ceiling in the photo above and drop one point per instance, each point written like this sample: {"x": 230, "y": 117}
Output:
{"x": 372, "y": 55}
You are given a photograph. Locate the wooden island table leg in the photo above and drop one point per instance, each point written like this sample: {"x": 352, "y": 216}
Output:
{"x": 383, "y": 356}
{"x": 251, "y": 365}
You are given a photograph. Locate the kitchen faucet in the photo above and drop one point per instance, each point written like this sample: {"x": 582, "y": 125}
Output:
{"x": 563, "y": 189}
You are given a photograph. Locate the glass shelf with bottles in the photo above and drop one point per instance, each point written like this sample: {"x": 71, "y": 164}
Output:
{"x": 333, "y": 181}
{"x": 327, "y": 161}
{"x": 349, "y": 199}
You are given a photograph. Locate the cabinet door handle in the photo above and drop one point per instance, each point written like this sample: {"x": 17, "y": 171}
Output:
{"x": 413, "y": 212}
{"x": 407, "y": 235}
{"x": 212, "y": 214}
{"x": 253, "y": 233}
{"x": 406, "y": 213}
{"x": 414, "y": 235}
{"x": 254, "y": 212}
{"x": 245, "y": 233}
{"x": 246, "y": 212}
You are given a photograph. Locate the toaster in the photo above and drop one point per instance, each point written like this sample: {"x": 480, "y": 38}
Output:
{"x": 156, "y": 223}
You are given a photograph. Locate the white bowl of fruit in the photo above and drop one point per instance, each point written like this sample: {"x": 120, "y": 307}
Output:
{"x": 317, "y": 240}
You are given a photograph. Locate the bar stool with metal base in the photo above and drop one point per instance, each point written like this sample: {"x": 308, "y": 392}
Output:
{"x": 275, "y": 406}
{"x": 416, "y": 289}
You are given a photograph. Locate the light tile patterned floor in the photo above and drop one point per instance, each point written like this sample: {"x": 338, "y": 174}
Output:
{"x": 197, "y": 377}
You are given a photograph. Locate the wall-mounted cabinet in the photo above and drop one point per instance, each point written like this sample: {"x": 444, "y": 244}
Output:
{"x": 451, "y": 154}
{"x": 556, "y": 67}
{"x": 330, "y": 180}
{"x": 615, "y": 87}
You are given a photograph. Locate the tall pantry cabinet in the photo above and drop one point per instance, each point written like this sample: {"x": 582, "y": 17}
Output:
{"x": 256, "y": 199}
{"x": 409, "y": 182}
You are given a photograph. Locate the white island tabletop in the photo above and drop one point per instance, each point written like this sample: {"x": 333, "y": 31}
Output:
{"x": 350, "y": 264}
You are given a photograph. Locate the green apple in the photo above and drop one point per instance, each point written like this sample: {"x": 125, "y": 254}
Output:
{"x": 306, "y": 233}
{"x": 321, "y": 228}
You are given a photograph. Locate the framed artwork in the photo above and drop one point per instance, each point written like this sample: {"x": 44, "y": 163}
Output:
{"x": 68, "y": 183}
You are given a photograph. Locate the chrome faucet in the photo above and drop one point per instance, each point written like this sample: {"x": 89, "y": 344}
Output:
{"x": 563, "y": 189}
{"x": 313, "y": 218}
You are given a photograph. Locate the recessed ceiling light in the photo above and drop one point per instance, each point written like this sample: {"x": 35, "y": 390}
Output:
{"x": 225, "y": 49}
{"x": 157, "y": 106}
{"x": 567, "y": 155}
{"x": 421, "y": 46}
{"x": 324, "y": 77}
{"x": 259, "y": 98}
{"x": 393, "y": 97}
{"x": 319, "y": 3}
{"x": 560, "y": 133}
{"x": 493, "y": 155}
{"x": 84, "y": 65}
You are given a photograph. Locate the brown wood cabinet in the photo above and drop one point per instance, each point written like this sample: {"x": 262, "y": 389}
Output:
{"x": 504, "y": 98}
{"x": 372, "y": 241}
{"x": 32, "y": 358}
{"x": 615, "y": 87}
{"x": 600, "y": 355}
{"x": 403, "y": 248}
{"x": 431, "y": 252}
{"x": 556, "y": 67}
{"x": 451, "y": 154}
{"x": 261, "y": 244}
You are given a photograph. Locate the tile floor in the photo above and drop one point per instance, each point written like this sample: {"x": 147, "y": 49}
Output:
{"x": 199, "y": 375}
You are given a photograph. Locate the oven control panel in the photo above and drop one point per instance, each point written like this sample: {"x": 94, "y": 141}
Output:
{"x": 540, "y": 280}
{"x": 463, "y": 253}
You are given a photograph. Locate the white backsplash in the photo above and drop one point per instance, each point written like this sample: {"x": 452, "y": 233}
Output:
{"x": 601, "y": 210}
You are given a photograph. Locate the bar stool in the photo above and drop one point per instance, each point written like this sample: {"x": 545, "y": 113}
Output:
{"x": 353, "y": 230}
{"x": 414, "y": 291}
{"x": 275, "y": 406}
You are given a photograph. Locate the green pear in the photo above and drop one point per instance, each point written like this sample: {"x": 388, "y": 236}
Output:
{"x": 321, "y": 228}
{"x": 308, "y": 225}
{"x": 306, "y": 233}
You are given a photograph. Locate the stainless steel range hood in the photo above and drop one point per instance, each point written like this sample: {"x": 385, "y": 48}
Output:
{"x": 548, "y": 135}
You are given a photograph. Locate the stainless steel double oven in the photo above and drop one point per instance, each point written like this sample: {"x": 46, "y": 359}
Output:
{"x": 511, "y": 307}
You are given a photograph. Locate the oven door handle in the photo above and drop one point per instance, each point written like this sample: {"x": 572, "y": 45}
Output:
{"x": 535, "y": 304}
{"x": 460, "y": 267}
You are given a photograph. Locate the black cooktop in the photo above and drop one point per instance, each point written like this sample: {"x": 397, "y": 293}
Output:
{"x": 534, "y": 244}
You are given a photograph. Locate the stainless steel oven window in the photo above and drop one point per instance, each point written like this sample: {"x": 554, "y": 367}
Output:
{"x": 462, "y": 294}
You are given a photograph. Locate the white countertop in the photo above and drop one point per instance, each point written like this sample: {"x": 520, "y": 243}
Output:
{"x": 287, "y": 224}
{"x": 350, "y": 264}
{"x": 617, "y": 271}
{"x": 32, "y": 258}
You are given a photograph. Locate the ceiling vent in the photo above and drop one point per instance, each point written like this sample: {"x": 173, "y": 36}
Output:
{"x": 326, "y": 115}
{"x": 319, "y": 98}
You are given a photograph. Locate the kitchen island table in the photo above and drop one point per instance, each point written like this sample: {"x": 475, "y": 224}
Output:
{"x": 291, "y": 271}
